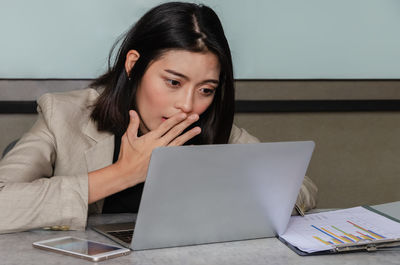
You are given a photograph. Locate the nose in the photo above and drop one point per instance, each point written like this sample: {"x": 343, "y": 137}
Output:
{"x": 184, "y": 100}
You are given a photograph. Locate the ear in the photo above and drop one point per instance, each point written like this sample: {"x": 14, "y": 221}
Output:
{"x": 131, "y": 58}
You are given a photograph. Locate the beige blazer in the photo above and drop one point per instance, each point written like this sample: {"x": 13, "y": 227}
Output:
{"x": 44, "y": 178}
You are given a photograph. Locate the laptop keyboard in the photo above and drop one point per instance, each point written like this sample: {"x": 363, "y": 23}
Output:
{"x": 125, "y": 235}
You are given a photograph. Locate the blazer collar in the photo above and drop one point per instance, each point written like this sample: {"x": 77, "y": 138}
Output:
{"x": 102, "y": 150}
{"x": 99, "y": 155}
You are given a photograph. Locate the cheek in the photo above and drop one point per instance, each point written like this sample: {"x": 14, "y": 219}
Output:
{"x": 154, "y": 96}
{"x": 202, "y": 106}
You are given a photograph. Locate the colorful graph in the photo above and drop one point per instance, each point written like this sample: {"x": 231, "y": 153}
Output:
{"x": 327, "y": 230}
{"x": 339, "y": 236}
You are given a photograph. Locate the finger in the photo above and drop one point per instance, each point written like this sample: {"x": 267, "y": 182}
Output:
{"x": 133, "y": 126}
{"x": 168, "y": 124}
{"x": 185, "y": 137}
{"x": 179, "y": 128}
{"x": 124, "y": 140}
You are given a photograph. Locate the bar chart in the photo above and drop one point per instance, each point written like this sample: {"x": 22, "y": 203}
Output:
{"x": 339, "y": 236}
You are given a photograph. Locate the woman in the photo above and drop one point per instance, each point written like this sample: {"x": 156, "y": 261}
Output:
{"x": 171, "y": 84}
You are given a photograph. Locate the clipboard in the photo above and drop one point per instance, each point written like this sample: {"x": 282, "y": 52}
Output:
{"x": 360, "y": 246}
{"x": 349, "y": 248}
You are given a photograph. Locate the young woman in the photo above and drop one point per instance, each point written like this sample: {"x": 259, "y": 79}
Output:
{"x": 171, "y": 84}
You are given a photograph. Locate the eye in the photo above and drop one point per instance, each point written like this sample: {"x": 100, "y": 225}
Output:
{"x": 207, "y": 91}
{"x": 173, "y": 83}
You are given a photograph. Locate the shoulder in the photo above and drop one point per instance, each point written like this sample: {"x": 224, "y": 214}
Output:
{"x": 241, "y": 136}
{"x": 77, "y": 98}
{"x": 72, "y": 105}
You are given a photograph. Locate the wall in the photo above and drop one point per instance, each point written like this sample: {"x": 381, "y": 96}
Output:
{"x": 356, "y": 159}
{"x": 286, "y": 39}
{"x": 306, "y": 59}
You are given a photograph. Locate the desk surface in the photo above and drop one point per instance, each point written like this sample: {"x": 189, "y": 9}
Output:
{"x": 17, "y": 249}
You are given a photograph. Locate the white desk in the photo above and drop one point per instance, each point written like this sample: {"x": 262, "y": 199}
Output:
{"x": 17, "y": 249}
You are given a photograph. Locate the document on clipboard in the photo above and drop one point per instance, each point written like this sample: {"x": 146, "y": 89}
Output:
{"x": 354, "y": 229}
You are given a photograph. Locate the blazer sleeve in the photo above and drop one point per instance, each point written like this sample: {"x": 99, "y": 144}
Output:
{"x": 30, "y": 196}
{"x": 307, "y": 198}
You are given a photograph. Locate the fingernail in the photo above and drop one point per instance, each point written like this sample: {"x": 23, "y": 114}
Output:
{"x": 132, "y": 114}
{"x": 183, "y": 116}
{"x": 197, "y": 130}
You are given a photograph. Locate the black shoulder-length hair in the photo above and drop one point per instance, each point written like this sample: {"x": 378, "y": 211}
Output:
{"x": 169, "y": 26}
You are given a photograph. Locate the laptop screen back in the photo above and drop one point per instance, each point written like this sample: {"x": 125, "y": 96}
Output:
{"x": 216, "y": 193}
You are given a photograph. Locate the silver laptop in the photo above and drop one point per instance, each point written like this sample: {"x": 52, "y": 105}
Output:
{"x": 216, "y": 193}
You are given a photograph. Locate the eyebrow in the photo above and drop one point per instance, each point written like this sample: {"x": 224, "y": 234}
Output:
{"x": 214, "y": 81}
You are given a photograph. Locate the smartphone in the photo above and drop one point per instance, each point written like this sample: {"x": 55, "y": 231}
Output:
{"x": 82, "y": 248}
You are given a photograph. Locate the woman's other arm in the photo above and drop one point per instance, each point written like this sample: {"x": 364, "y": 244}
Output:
{"x": 30, "y": 196}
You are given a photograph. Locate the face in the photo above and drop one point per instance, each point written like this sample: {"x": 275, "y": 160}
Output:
{"x": 179, "y": 81}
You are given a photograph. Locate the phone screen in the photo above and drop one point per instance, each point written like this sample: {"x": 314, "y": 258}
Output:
{"x": 81, "y": 246}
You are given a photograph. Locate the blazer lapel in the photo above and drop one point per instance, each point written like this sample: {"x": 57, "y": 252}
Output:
{"x": 99, "y": 155}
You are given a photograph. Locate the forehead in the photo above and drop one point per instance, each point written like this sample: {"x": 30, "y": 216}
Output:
{"x": 190, "y": 64}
